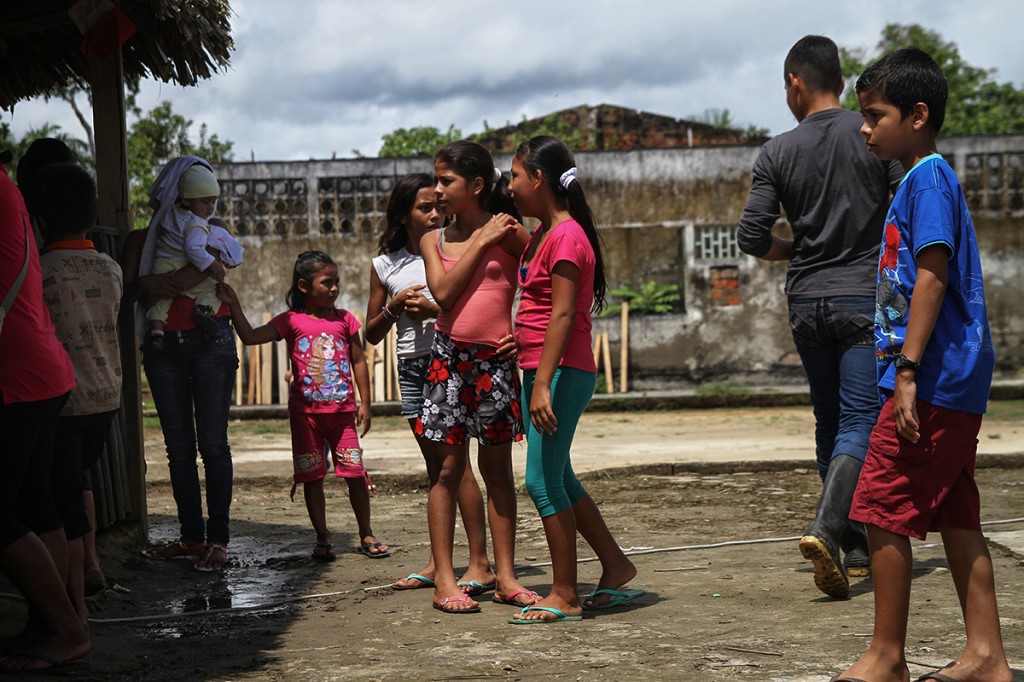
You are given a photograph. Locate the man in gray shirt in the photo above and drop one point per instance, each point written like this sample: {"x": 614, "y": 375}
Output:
{"x": 835, "y": 194}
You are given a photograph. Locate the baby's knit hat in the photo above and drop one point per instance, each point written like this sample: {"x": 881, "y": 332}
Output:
{"x": 198, "y": 182}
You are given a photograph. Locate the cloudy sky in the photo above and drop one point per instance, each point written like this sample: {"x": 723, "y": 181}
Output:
{"x": 312, "y": 78}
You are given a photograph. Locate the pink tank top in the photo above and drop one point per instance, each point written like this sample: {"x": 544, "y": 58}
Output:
{"x": 483, "y": 313}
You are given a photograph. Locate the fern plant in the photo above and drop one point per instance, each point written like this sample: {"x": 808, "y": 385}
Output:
{"x": 650, "y": 299}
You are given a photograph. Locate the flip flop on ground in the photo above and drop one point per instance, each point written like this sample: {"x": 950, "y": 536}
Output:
{"x": 510, "y": 598}
{"x": 366, "y": 547}
{"x": 618, "y": 598}
{"x": 449, "y": 600}
{"x": 324, "y": 551}
{"x": 477, "y": 588}
{"x": 423, "y": 581}
{"x": 559, "y": 616}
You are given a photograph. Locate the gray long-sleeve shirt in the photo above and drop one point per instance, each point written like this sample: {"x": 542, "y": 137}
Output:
{"x": 835, "y": 194}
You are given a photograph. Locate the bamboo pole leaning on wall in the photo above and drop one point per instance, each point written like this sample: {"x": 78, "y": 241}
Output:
{"x": 240, "y": 374}
{"x": 624, "y": 350}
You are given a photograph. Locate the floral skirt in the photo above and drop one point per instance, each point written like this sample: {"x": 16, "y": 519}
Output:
{"x": 469, "y": 392}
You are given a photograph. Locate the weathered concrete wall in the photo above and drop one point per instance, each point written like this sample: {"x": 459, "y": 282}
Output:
{"x": 665, "y": 215}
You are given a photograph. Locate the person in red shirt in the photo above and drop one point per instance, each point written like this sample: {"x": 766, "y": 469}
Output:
{"x": 35, "y": 378}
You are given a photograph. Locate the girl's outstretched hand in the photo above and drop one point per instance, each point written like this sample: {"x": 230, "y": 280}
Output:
{"x": 541, "y": 414}
{"x": 226, "y": 294}
{"x": 363, "y": 419}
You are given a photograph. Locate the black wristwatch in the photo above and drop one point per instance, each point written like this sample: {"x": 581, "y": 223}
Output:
{"x": 903, "y": 362}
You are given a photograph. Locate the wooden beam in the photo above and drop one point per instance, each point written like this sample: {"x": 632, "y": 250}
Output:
{"x": 109, "y": 126}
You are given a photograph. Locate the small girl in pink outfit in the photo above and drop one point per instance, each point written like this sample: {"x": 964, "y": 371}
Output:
{"x": 326, "y": 354}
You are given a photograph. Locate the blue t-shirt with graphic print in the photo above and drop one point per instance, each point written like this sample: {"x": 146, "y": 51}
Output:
{"x": 956, "y": 369}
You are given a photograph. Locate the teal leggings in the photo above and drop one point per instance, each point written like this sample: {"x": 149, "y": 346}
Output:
{"x": 550, "y": 480}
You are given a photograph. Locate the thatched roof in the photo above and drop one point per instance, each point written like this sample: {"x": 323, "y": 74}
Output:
{"x": 177, "y": 40}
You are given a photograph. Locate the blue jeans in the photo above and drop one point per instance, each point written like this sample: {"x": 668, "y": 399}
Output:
{"x": 191, "y": 381}
{"x": 835, "y": 340}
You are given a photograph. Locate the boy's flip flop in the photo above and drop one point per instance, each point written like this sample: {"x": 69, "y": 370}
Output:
{"x": 365, "y": 548}
{"x": 618, "y": 598}
{"x": 559, "y": 616}
{"x": 424, "y": 582}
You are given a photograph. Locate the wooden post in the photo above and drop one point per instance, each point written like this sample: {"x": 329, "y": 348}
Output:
{"x": 240, "y": 374}
{"x": 106, "y": 80}
{"x": 390, "y": 364}
{"x": 253, "y": 377}
{"x": 606, "y": 355}
{"x": 281, "y": 350}
{"x": 624, "y": 349}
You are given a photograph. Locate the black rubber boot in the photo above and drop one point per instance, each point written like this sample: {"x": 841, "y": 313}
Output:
{"x": 857, "y": 559}
{"x": 821, "y": 543}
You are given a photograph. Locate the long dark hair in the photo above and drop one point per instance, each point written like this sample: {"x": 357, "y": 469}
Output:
{"x": 472, "y": 160}
{"x": 306, "y": 266}
{"x": 551, "y": 157}
{"x": 400, "y": 203}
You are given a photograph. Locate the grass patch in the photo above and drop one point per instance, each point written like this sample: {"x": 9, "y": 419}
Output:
{"x": 720, "y": 389}
{"x": 1008, "y": 410}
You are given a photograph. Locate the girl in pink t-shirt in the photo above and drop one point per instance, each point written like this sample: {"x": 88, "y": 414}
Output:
{"x": 562, "y": 279}
{"x": 471, "y": 386}
{"x": 326, "y": 354}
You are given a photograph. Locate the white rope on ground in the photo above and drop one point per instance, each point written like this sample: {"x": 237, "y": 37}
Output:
{"x": 306, "y": 597}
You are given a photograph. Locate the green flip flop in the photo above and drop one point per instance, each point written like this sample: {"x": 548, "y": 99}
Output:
{"x": 559, "y": 616}
{"x": 618, "y": 598}
{"x": 476, "y": 588}
{"x": 424, "y": 582}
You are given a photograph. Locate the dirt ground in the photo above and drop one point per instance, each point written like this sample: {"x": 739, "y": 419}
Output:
{"x": 745, "y": 609}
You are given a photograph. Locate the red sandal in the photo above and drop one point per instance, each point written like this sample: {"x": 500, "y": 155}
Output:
{"x": 181, "y": 549}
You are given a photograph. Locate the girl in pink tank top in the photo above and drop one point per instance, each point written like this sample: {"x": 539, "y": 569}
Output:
{"x": 472, "y": 385}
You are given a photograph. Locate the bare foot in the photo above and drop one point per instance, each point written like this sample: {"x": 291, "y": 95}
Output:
{"x": 371, "y": 547}
{"x": 613, "y": 577}
{"x": 455, "y": 601}
{"x": 520, "y": 597}
{"x": 969, "y": 671}
{"x": 870, "y": 667}
{"x": 478, "y": 576}
{"x": 552, "y": 602}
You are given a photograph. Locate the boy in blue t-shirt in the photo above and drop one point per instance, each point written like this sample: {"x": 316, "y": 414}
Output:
{"x": 935, "y": 360}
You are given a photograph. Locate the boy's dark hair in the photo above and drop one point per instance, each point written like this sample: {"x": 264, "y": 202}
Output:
{"x": 65, "y": 199}
{"x": 42, "y": 152}
{"x": 905, "y": 77}
{"x": 552, "y": 157}
{"x": 471, "y": 160}
{"x": 400, "y": 204}
{"x": 815, "y": 59}
{"x": 306, "y": 266}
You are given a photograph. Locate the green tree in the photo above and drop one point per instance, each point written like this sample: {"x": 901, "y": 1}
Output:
{"x": 977, "y": 104}
{"x": 157, "y": 137}
{"x": 418, "y": 141}
{"x": 18, "y": 146}
{"x": 722, "y": 118}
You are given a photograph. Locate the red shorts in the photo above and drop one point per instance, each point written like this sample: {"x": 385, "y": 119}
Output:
{"x": 313, "y": 433}
{"x": 912, "y": 488}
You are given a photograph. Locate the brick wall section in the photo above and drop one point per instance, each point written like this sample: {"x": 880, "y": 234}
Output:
{"x": 724, "y": 286}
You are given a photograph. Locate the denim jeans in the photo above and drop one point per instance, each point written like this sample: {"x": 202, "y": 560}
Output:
{"x": 835, "y": 339}
{"x": 191, "y": 381}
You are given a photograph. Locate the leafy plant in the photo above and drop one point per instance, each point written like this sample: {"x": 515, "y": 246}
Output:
{"x": 650, "y": 299}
